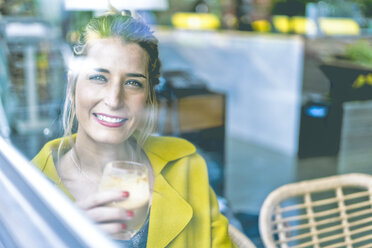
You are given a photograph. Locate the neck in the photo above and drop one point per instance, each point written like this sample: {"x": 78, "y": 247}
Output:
{"x": 94, "y": 156}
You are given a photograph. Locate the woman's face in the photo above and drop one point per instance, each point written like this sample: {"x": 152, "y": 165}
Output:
{"x": 111, "y": 91}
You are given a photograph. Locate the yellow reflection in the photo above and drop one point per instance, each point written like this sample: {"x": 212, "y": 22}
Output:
{"x": 303, "y": 25}
{"x": 328, "y": 26}
{"x": 282, "y": 23}
{"x": 261, "y": 26}
{"x": 339, "y": 26}
{"x": 195, "y": 20}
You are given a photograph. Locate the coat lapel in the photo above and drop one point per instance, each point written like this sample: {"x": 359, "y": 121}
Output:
{"x": 170, "y": 212}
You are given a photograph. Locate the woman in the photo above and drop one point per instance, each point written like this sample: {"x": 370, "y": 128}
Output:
{"x": 111, "y": 97}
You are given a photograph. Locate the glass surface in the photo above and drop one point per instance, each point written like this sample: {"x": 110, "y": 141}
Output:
{"x": 134, "y": 178}
{"x": 34, "y": 213}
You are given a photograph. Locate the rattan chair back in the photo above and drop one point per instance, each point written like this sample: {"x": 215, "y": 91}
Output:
{"x": 239, "y": 238}
{"x": 330, "y": 212}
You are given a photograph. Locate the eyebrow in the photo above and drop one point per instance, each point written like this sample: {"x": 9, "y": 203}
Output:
{"x": 102, "y": 70}
{"x": 136, "y": 75}
{"x": 128, "y": 74}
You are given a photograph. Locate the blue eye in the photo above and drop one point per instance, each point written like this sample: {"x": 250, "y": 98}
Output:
{"x": 134, "y": 83}
{"x": 98, "y": 77}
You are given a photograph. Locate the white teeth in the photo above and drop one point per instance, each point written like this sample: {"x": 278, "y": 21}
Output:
{"x": 109, "y": 119}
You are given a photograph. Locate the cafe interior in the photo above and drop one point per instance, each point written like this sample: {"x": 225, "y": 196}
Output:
{"x": 276, "y": 95}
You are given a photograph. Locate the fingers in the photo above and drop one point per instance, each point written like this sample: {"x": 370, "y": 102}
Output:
{"x": 113, "y": 228}
{"x": 109, "y": 214}
{"x": 102, "y": 198}
{"x": 110, "y": 219}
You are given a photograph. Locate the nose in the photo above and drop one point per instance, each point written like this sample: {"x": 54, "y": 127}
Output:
{"x": 114, "y": 96}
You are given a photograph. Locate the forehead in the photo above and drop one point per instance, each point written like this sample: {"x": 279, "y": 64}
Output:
{"x": 115, "y": 54}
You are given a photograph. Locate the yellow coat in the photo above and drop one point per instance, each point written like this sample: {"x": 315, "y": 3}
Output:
{"x": 184, "y": 211}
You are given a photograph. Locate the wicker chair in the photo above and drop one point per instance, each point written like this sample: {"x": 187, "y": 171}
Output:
{"x": 328, "y": 212}
{"x": 239, "y": 239}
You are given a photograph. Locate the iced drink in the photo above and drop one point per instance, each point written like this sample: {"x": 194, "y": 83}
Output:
{"x": 131, "y": 177}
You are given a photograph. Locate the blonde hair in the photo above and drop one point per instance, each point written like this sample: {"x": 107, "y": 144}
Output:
{"x": 130, "y": 30}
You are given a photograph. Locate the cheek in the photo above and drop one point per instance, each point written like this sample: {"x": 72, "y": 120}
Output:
{"x": 83, "y": 97}
{"x": 79, "y": 98}
{"x": 137, "y": 104}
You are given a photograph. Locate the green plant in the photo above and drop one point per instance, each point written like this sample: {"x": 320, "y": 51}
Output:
{"x": 360, "y": 52}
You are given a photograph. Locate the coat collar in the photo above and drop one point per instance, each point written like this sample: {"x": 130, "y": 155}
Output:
{"x": 167, "y": 149}
{"x": 45, "y": 162}
{"x": 161, "y": 149}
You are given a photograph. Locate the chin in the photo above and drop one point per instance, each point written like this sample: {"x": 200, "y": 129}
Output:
{"x": 110, "y": 138}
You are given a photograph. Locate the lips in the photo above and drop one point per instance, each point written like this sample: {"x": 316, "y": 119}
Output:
{"x": 109, "y": 120}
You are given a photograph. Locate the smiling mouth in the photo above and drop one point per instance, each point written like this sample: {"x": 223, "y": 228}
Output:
{"x": 110, "y": 119}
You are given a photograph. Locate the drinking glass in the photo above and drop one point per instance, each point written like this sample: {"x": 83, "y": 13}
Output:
{"x": 136, "y": 178}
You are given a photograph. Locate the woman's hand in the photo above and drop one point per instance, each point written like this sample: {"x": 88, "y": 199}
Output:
{"x": 110, "y": 219}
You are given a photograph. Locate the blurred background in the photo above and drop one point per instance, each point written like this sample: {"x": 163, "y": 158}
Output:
{"x": 270, "y": 91}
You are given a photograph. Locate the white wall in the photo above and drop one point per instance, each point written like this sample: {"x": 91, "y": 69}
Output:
{"x": 261, "y": 75}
